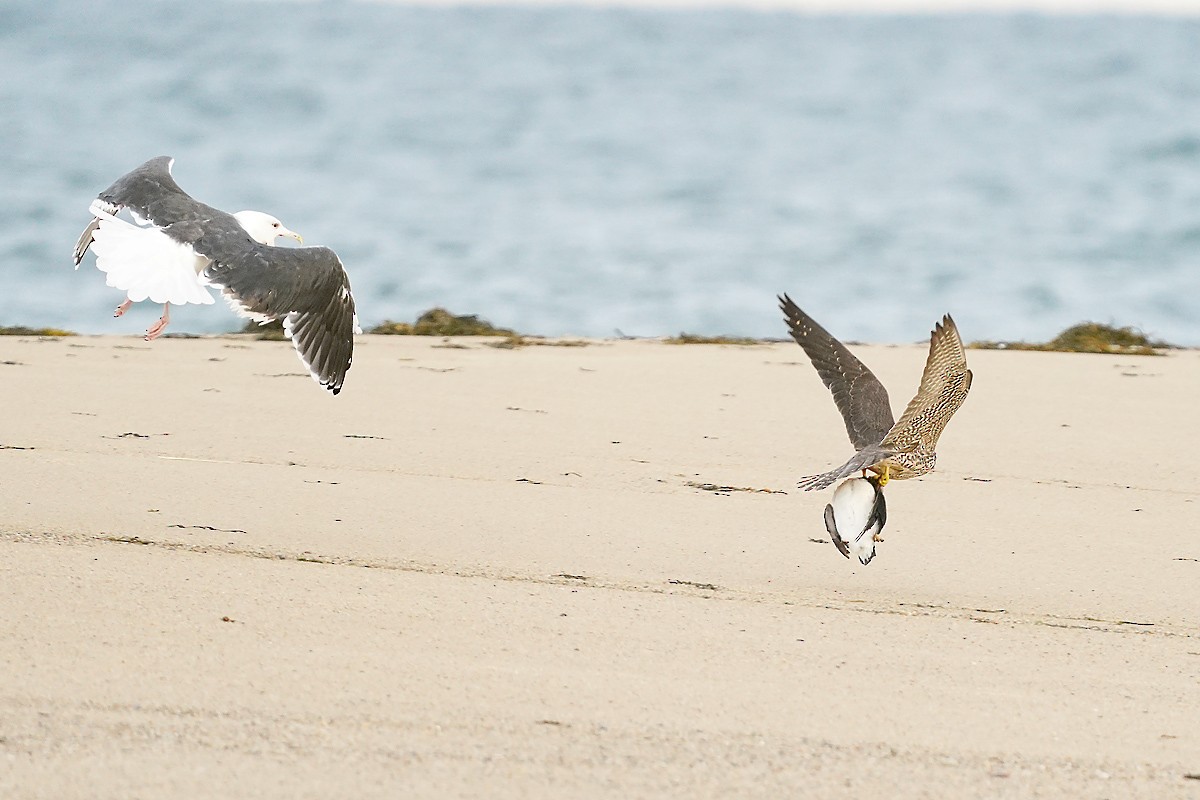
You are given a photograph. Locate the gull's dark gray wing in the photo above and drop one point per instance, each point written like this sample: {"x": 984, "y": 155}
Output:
{"x": 150, "y": 193}
{"x": 306, "y": 287}
{"x": 859, "y": 395}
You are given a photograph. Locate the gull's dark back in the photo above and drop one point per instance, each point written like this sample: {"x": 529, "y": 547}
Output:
{"x": 860, "y": 397}
{"x": 152, "y": 194}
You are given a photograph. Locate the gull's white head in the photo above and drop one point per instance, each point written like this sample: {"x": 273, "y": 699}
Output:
{"x": 263, "y": 228}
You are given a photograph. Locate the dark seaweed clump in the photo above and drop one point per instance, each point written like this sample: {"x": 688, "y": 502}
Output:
{"x": 1089, "y": 337}
{"x": 434, "y": 322}
{"x": 440, "y": 322}
{"x": 21, "y": 330}
{"x": 692, "y": 338}
{"x": 272, "y": 331}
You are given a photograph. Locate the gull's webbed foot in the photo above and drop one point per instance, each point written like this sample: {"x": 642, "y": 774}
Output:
{"x": 121, "y": 309}
{"x": 157, "y": 328}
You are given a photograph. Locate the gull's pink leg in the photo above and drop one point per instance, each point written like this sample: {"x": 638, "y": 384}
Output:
{"x": 157, "y": 328}
{"x": 121, "y": 309}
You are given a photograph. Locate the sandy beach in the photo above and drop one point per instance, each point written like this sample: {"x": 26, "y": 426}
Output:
{"x": 504, "y": 573}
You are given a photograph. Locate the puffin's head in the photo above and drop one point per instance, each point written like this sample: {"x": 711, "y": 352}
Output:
{"x": 263, "y": 228}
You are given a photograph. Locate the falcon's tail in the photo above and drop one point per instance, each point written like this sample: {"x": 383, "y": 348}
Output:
{"x": 863, "y": 459}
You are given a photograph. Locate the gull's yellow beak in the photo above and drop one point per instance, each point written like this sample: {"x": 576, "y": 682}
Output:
{"x": 296, "y": 236}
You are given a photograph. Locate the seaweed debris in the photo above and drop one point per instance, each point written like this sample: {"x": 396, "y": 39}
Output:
{"x": 693, "y": 338}
{"x": 440, "y": 322}
{"x": 1088, "y": 337}
{"x": 518, "y": 340}
{"x": 271, "y": 331}
{"x": 21, "y": 330}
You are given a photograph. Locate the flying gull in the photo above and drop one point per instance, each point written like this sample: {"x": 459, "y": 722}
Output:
{"x": 180, "y": 247}
{"x": 892, "y": 450}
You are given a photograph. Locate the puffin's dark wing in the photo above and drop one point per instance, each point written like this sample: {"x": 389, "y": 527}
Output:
{"x": 151, "y": 194}
{"x": 306, "y": 287}
{"x": 859, "y": 395}
{"x": 831, "y": 526}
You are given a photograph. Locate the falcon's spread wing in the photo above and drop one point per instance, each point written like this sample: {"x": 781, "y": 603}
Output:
{"x": 944, "y": 386}
{"x": 860, "y": 397}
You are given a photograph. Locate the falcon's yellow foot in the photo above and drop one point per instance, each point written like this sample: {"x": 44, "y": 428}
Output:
{"x": 876, "y": 538}
{"x": 883, "y": 480}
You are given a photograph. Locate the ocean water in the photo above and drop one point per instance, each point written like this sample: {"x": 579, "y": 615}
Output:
{"x": 587, "y": 171}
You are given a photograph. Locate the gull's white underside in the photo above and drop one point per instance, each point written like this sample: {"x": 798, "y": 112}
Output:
{"x": 147, "y": 264}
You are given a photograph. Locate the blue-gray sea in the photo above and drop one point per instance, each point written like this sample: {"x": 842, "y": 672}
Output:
{"x": 587, "y": 170}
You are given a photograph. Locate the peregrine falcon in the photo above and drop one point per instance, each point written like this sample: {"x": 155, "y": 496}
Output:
{"x": 898, "y": 450}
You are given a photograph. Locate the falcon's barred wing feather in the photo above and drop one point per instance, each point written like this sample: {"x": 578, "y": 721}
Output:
{"x": 944, "y": 386}
{"x": 316, "y": 307}
{"x": 860, "y": 397}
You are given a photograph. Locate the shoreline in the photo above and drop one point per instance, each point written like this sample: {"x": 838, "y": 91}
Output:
{"x": 1149, "y": 8}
